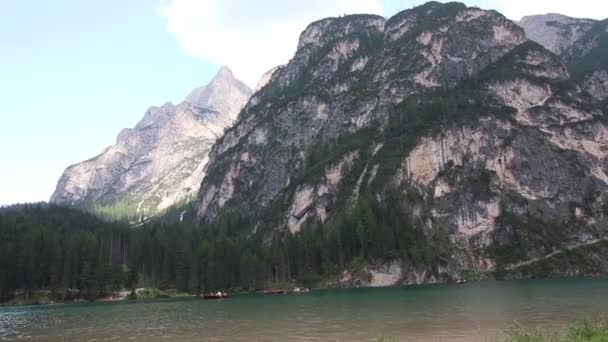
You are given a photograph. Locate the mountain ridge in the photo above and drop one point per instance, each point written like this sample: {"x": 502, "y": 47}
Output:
{"x": 556, "y": 32}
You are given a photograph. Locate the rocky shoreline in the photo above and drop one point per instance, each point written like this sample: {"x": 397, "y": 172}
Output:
{"x": 368, "y": 277}
{"x": 70, "y": 296}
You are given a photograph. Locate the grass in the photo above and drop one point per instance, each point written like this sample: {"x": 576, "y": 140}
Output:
{"x": 384, "y": 339}
{"x": 587, "y": 331}
{"x": 584, "y": 331}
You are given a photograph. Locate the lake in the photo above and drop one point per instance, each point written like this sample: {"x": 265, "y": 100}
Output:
{"x": 472, "y": 312}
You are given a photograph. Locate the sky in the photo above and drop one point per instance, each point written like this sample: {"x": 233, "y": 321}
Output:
{"x": 73, "y": 73}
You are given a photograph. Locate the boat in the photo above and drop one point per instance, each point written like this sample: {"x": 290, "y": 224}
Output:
{"x": 275, "y": 292}
{"x": 301, "y": 290}
{"x": 461, "y": 281}
{"x": 211, "y": 296}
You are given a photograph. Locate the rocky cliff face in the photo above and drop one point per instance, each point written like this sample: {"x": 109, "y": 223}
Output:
{"x": 480, "y": 137}
{"x": 346, "y": 75}
{"x": 161, "y": 160}
{"x": 581, "y": 43}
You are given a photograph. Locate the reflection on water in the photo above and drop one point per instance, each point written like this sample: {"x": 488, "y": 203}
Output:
{"x": 475, "y": 312}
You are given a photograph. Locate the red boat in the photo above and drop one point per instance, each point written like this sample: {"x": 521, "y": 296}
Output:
{"x": 275, "y": 292}
{"x": 210, "y": 296}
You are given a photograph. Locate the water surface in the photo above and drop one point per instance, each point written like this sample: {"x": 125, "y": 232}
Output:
{"x": 473, "y": 312}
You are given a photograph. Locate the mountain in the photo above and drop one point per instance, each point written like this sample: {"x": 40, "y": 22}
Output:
{"x": 588, "y": 60}
{"x": 581, "y": 43}
{"x": 265, "y": 79}
{"x": 557, "y": 32}
{"x": 160, "y": 161}
{"x": 433, "y": 145}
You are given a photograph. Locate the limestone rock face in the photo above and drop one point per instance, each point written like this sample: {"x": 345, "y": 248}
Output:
{"x": 344, "y": 77}
{"x": 558, "y": 33}
{"x": 161, "y": 161}
{"x": 481, "y": 134}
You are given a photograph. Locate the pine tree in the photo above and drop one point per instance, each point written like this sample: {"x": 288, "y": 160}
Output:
{"x": 182, "y": 262}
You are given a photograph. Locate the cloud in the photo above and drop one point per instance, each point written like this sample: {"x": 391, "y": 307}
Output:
{"x": 250, "y": 37}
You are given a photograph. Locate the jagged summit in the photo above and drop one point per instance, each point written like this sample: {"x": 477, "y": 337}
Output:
{"x": 224, "y": 72}
{"x": 161, "y": 160}
{"x": 210, "y": 96}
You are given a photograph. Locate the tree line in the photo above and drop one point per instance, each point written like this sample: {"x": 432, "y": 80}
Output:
{"x": 68, "y": 251}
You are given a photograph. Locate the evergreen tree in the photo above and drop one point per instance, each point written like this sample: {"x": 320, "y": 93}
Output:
{"x": 59, "y": 249}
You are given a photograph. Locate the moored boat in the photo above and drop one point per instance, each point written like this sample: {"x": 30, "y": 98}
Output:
{"x": 275, "y": 292}
{"x": 211, "y": 296}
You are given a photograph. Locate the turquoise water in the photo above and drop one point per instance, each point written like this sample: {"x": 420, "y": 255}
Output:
{"x": 473, "y": 312}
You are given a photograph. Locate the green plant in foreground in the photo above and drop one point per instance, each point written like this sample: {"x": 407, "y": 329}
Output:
{"x": 588, "y": 331}
{"x": 585, "y": 331}
{"x": 530, "y": 336}
{"x": 384, "y": 339}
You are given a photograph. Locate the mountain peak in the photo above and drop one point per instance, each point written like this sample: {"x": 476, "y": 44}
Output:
{"x": 224, "y": 73}
{"x": 222, "y": 83}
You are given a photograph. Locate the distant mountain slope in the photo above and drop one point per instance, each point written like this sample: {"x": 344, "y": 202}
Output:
{"x": 161, "y": 160}
{"x": 588, "y": 60}
{"x": 556, "y": 32}
{"x": 581, "y": 43}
